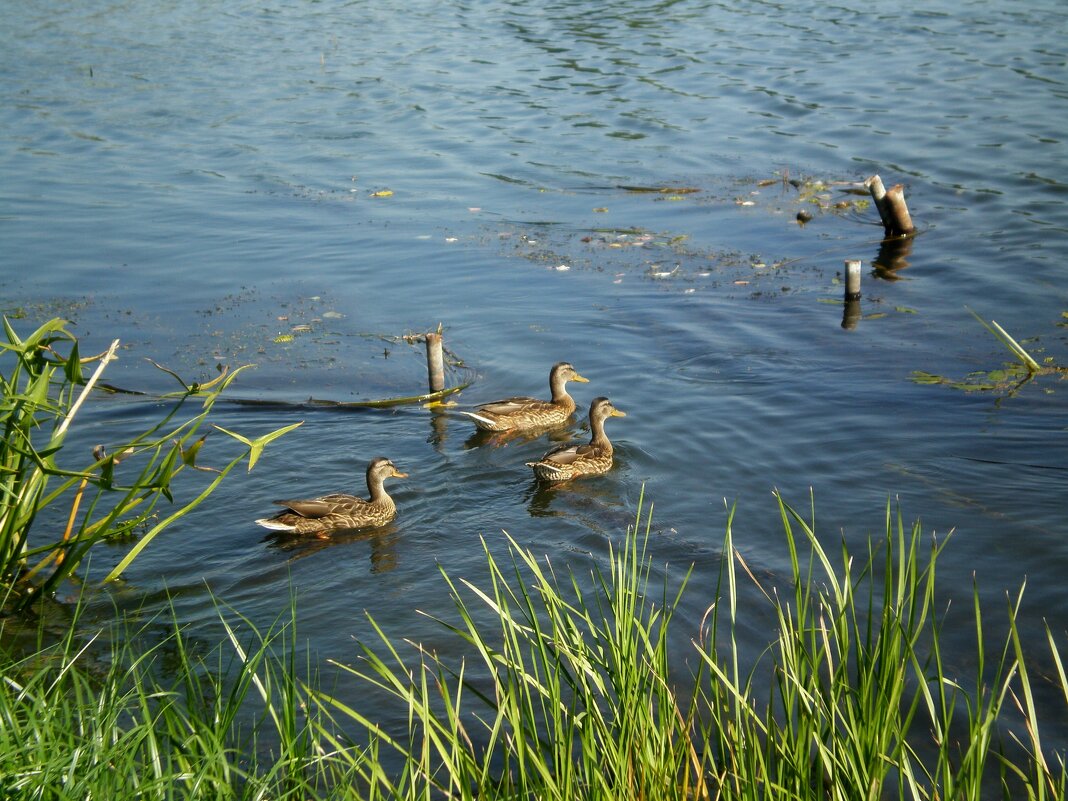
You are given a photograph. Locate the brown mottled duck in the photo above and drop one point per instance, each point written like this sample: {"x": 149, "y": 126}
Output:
{"x": 523, "y": 414}
{"x": 339, "y": 511}
{"x": 570, "y": 461}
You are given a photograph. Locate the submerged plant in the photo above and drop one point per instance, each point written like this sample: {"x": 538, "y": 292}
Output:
{"x": 43, "y": 385}
{"x": 1007, "y": 378}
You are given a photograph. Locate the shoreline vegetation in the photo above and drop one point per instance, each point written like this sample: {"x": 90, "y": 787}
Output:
{"x": 42, "y": 387}
{"x": 568, "y": 694}
{"x": 567, "y": 688}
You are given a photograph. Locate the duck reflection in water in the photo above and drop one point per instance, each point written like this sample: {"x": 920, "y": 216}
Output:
{"x": 589, "y": 501}
{"x": 498, "y": 439}
{"x": 383, "y": 541}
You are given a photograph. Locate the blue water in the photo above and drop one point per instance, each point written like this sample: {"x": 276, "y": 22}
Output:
{"x": 196, "y": 179}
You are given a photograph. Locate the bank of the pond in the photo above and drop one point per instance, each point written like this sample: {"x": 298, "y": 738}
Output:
{"x": 562, "y": 693}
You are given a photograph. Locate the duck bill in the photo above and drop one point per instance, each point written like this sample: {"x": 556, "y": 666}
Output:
{"x": 580, "y": 379}
{"x": 399, "y": 474}
{"x": 618, "y": 413}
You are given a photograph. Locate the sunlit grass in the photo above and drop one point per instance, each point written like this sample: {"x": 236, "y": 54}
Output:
{"x": 44, "y": 383}
{"x": 562, "y": 685}
{"x": 84, "y": 718}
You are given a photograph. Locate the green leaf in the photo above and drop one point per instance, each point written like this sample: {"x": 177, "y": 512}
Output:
{"x": 73, "y": 366}
{"x": 189, "y": 455}
{"x": 256, "y": 446}
{"x": 1010, "y": 343}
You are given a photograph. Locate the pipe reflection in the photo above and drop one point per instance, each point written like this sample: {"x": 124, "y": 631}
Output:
{"x": 892, "y": 257}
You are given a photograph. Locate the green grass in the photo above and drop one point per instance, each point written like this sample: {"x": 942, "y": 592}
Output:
{"x": 567, "y": 689}
{"x": 116, "y": 491}
{"x": 94, "y": 717}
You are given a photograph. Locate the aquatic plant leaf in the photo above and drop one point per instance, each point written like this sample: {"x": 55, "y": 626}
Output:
{"x": 1010, "y": 343}
{"x": 73, "y": 366}
{"x": 256, "y": 446}
{"x": 189, "y": 455}
{"x": 922, "y": 377}
{"x": 223, "y": 372}
{"x": 169, "y": 372}
{"x": 663, "y": 190}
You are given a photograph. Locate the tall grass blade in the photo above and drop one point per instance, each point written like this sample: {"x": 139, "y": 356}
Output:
{"x": 1014, "y": 347}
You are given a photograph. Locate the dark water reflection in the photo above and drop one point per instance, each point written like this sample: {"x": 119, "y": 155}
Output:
{"x": 208, "y": 183}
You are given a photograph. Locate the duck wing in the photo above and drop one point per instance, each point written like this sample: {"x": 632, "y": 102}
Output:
{"x": 321, "y": 507}
{"x": 569, "y": 454}
{"x": 507, "y": 406}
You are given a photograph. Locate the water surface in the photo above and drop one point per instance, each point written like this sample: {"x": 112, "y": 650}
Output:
{"x": 198, "y": 179}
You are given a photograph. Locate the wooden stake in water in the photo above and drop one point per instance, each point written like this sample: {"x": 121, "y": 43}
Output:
{"x": 878, "y": 196}
{"x": 435, "y": 361}
{"x": 900, "y": 219}
{"x": 852, "y": 282}
{"x": 891, "y": 205}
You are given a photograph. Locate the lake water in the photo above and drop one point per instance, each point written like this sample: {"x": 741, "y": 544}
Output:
{"x": 197, "y": 179}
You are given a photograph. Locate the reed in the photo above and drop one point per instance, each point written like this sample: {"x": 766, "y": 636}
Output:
{"x": 567, "y": 690}
{"x": 44, "y": 383}
{"x": 125, "y": 713}
{"x": 570, "y": 693}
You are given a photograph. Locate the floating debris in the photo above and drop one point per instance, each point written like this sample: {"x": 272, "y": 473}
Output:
{"x": 619, "y": 239}
{"x": 1008, "y": 378}
{"x": 662, "y": 190}
{"x": 656, "y": 271}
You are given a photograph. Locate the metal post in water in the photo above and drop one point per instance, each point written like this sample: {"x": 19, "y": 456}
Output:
{"x": 435, "y": 361}
{"x": 851, "y": 314}
{"x": 852, "y": 282}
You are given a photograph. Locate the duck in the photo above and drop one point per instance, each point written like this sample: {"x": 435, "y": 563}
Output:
{"x": 523, "y": 413}
{"x": 566, "y": 462}
{"x": 339, "y": 511}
